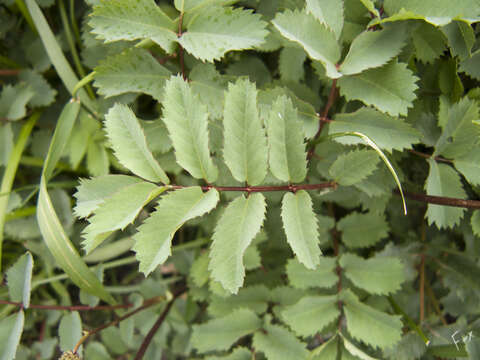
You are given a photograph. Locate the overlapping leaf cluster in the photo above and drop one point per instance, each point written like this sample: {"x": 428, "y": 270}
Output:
{"x": 238, "y": 144}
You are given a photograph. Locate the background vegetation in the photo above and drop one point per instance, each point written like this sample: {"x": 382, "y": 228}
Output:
{"x": 213, "y": 179}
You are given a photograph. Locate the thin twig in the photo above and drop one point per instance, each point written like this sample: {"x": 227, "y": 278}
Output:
{"x": 156, "y": 326}
{"x": 428, "y": 156}
{"x": 146, "y": 304}
{"x": 9, "y": 72}
{"x": 69, "y": 308}
{"x": 250, "y": 189}
{"x": 442, "y": 200}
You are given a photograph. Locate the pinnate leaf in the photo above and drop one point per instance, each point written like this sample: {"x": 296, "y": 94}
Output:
{"x": 353, "y": 167}
{"x": 311, "y": 314}
{"x": 317, "y": 40}
{"x": 131, "y": 20}
{"x": 322, "y": 276}
{"x": 134, "y": 70}
{"x": 279, "y": 344}
{"x": 44, "y": 94}
{"x": 390, "y": 88}
{"x": 362, "y": 230}
{"x": 129, "y": 143}
{"x": 379, "y": 275}
{"x": 369, "y": 325}
{"x": 329, "y": 13}
{"x": 235, "y": 230}
{"x": 19, "y": 280}
{"x": 301, "y": 227}
{"x": 186, "y": 119}
{"x": 70, "y": 330}
{"x": 372, "y": 49}
{"x": 387, "y": 132}
{"x": 221, "y": 333}
{"x": 442, "y": 180}
{"x": 429, "y": 42}
{"x": 245, "y": 149}
{"x": 14, "y": 99}
{"x": 154, "y": 238}
{"x": 287, "y": 155}
{"x": 118, "y": 211}
{"x": 217, "y": 30}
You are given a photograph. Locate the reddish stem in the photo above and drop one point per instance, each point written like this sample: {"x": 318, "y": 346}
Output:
{"x": 442, "y": 200}
{"x": 249, "y": 189}
{"x": 428, "y": 156}
{"x": 70, "y": 308}
{"x": 9, "y": 72}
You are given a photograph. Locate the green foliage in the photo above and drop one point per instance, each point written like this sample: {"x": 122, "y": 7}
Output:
{"x": 235, "y": 230}
{"x": 245, "y": 177}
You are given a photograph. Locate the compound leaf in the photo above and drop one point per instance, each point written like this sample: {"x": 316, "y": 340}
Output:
{"x": 221, "y": 333}
{"x": 44, "y": 94}
{"x": 390, "y": 88}
{"x": 217, "y": 30}
{"x": 311, "y": 314}
{"x": 442, "y": 180}
{"x": 362, "y": 230}
{"x": 154, "y": 238}
{"x": 134, "y": 70}
{"x": 354, "y": 166}
{"x": 235, "y": 230}
{"x": 379, "y": 275}
{"x": 118, "y": 211}
{"x": 372, "y": 49}
{"x": 287, "y": 155}
{"x": 186, "y": 119}
{"x": 14, "y": 99}
{"x": 387, "y": 132}
{"x": 301, "y": 227}
{"x": 369, "y": 325}
{"x": 19, "y": 280}
{"x": 317, "y": 40}
{"x": 130, "y": 146}
{"x": 131, "y": 20}
{"x": 245, "y": 149}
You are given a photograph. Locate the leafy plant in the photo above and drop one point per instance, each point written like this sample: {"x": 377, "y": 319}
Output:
{"x": 255, "y": 156}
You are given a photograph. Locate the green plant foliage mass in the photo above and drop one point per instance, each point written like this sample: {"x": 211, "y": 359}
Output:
{"x": 225, "y": 179}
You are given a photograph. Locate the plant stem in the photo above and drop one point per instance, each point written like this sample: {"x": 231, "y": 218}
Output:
{"x": 408, "y": 319}
{"x": 146, "y": 304}
{"x": 9, "y": 72}
{"x": 249, "y": 189}
{"x": 66, "y": 307}
{"x": 442, "y": 200}
{"x": 23, "y": 9}
{"x": 11, "y": 170}
{"x": 428, "y": 156}
{"x": 156, "y": 326}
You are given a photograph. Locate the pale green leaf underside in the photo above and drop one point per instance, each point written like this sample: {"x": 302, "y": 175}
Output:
{"x": 329, "y": 13}
{"x": 14, "y": 99}
{"x": 234, "y": 232}
{"x": 372, "y": 49}
{"x": 221, "y": 333}
{"x": 279, "y": 344}
{"x": 442, "y": 180}
{"x": 118, "y": 211}
{"x": 387, "y": 132}
{"x": 217, "y": 30}
{"x": 317, "y": 40}
{"x": 11, "y": 329}
{"x": 186, "y": 119}
{"x": 134, "y": 70}
{"x": 69, "y": 330}
{"x": 354, "y": 166}
{"x": 255, "y": 298}
{"x": 245, "y": 149}
{"x": 19, "y": 280}
{"x": 288, "y": 158}
{"x": 469, "y": 165}
{"x": 369, "y": 325}
{"x": 390, "y": 88}
{"x": 301, "y": 227}
{"x": 311, "y": 314}
{"x": 130, "y": 146}
{"x": 92, "y": 192}
{"x": 322, "y": 276}
{"x": 437, "y": 12}
{"x": 239, "y": 353}
{"x": 131, "y": 20}
{"x": 154, "y": 238}
{"x": 362, "y": 230}
{"x": 379, "y": 275}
